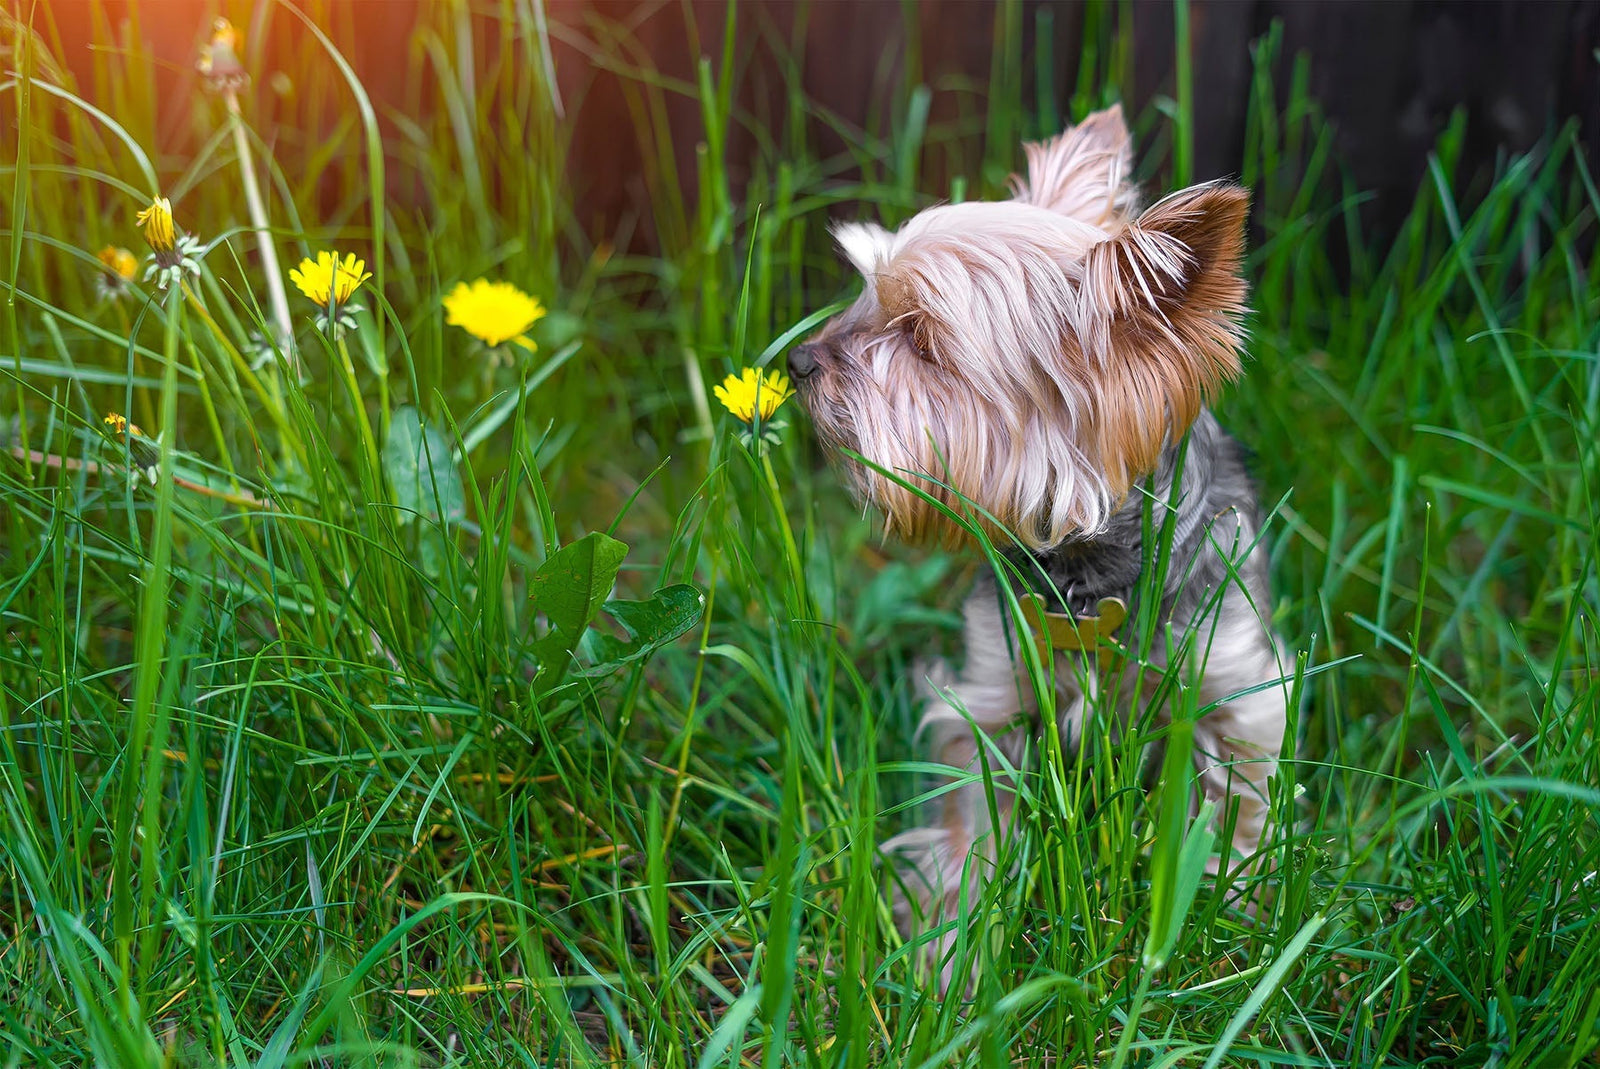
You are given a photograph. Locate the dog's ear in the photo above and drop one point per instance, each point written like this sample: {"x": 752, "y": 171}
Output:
{"x": 865, "y": 245}
{"x": 1158, "y": 316}
{"x": 908, "y": 296}
{"x": 903, "y": 289}
{"x": 1083, "y": 171}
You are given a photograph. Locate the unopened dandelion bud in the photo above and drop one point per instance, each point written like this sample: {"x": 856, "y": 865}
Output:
{"x": 156, "y": 222}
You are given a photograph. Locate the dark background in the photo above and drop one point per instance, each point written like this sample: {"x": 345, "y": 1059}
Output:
{"x": 1387, "y": 74}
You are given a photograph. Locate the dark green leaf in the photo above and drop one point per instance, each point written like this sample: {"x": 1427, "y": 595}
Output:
{"x": 417, "y": 462}
{"x": 569, "y": 588}
{"x": 650, "y": 625}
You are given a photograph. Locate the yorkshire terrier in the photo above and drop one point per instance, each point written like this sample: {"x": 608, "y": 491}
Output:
{"x": 1037, "y": 365}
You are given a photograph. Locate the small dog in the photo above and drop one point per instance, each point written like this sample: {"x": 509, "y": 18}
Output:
{"x": 1030, "y": 363}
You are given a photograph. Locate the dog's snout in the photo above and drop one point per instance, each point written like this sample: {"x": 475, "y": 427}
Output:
{"x": 803, "y": 359}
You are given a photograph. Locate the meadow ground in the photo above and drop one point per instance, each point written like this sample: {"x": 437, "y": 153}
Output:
{"x": 310, "y": 754}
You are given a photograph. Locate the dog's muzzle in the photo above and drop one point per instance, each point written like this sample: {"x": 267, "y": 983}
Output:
{"x": 804, "y": 360}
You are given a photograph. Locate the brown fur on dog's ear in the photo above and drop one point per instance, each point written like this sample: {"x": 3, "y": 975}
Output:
{"x": 1159, "y": 319}
{"x": 1083, "y": 171}
{"x": 902, "y": 295}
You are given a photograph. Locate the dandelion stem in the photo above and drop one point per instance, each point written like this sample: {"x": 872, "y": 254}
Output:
{"x": 242, "y": 498}
{"x": 796, "y": 572}
{"x": 138, "y": 394}
{"x": 258, "y": 217}
{"x": 360, "y": 407}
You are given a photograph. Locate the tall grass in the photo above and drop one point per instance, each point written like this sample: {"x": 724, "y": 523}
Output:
{"x": 305, "y": 760}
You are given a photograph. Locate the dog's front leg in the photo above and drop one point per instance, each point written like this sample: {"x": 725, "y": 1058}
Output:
{"x": 952, "y": 858}
{"x": 1237, "y": 743}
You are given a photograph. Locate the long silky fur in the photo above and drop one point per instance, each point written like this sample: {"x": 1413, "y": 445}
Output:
{"x": 1019, "y": 356}
{"x": 1037, "y": 357}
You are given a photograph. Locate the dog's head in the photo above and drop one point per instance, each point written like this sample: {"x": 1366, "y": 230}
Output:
{"x": 1033, "y": 355}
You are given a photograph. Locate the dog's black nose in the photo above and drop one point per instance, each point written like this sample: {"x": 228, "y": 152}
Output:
{"x": 803, "y": 360}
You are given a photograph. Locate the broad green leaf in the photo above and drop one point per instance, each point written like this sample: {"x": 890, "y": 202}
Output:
{"x": 417, "y": 462}
{"x": 1191, "y": 867}
{"x": 650, "y": 624}
{"x": 1172, "y": 849}
{"x": 569, "y": 588}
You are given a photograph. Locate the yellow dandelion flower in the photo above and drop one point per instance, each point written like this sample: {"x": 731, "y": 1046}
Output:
{"x": 119, "y": 262}
{"x": 157, "y": 223}
{"x": 219, "y": 59}
{"x": 223, "y": 35}
{"x": 327, "y": 280}
{"x": 742, "y": 394}
{"x": 119, "y": 424}
{"x": 493, "y": 312}
{"x": 117, "y": 268}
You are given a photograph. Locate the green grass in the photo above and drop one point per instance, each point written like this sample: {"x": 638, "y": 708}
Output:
{"x": 308, "y": 759}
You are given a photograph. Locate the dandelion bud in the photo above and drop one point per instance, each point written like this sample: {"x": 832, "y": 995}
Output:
{"x": 157, "y": 223}
{"x": 171, "y": 256}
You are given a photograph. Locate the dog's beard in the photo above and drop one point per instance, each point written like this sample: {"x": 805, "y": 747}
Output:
{"x": 932, "y": 442}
